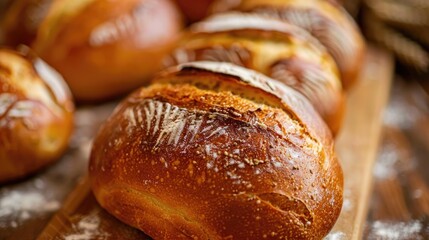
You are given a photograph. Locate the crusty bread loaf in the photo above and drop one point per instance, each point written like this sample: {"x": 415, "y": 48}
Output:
{"x": 106, "y": 48}
{"x": 35, "y": 114}
{"x": 275, "y": 48}
{"x": 326, "y": 20}
{"x": 216, "y": 151}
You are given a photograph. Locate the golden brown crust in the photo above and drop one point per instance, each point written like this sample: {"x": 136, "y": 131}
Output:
{"x": 106, "y": 48}
{"x": 36, "y": 115}
{"x": 275, "y": 48}
{"x": 326, "y": 21}
{"x": 188, "y": 158}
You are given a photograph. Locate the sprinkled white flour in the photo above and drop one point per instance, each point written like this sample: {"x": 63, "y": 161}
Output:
{"x": 396, "y": 231}
{"x": 336, "y": 236}
{"x": 347, "y": 202}
{"x": 87, "y": 228}
{"x": 400, "y": 112}
{"x": 384, "y": 167}
{"x": 347, "y": 205}
{"x": 17, "y": 206}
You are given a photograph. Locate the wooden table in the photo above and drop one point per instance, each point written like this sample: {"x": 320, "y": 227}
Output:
{"x": 400, "y": 198}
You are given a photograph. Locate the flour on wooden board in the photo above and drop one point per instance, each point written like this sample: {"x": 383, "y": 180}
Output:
{"x": 18, "y": 206}
{"x": 87, "y": 228}
{"x": 396, "y": 230}
{"x": 336, "y": 236}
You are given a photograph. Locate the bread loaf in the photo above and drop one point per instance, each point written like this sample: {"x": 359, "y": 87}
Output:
{"x": 216, "y": 151}
{"x": 275, "y": 48}
{"x": 325, "y": 20}
{"x": 106, "y": 48}
{"x": 35, "y": 114}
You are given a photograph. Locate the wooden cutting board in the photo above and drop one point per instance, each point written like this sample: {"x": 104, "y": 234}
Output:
{"x": 82, "y": 218}
{"x": 358, "y": 142}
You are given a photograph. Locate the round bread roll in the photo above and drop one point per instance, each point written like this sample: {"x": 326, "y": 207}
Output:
{"x": 194, "y": 10}
{"x": 272, "y": 47}
{"x": 22, "y": 20}
{"x": 36, "y": 114}
{"x": 216, "y": 151}
{"x": 105, "y": 48}
{"x": 325, "y": 20}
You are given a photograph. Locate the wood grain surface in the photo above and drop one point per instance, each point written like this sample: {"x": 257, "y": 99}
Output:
{"x": 399, "y": 205}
